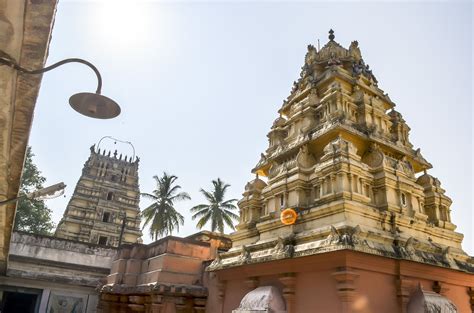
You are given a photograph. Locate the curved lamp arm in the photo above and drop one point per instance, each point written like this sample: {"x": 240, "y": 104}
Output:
{"x": 88, "y": 104}
{"x": 10, "y": 62}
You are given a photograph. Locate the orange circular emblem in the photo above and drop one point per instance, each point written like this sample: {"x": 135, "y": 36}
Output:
{"x": 288, "y": 216}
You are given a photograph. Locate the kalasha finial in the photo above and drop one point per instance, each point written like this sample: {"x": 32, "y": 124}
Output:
{"x": 331, "y": 35}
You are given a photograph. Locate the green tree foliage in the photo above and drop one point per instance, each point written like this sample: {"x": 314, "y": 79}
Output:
{"x": 32, "y": 216}
{"x": 217, "y": 210}
{"x": 162, "y": 215}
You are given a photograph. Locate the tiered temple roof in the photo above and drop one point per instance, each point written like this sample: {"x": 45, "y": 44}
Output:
{"x": 340, "y": 156}
{"x": 104, "y": 208}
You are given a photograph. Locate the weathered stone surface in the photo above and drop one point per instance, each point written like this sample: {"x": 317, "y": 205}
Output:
{"x": 57, "y": 260}
{"x": 371, "y": 221}
{"x": 422, "y": 301}
{"x": 167, "y": 275}
{"x": 262, "y": 299}
{"x": 25, "y": 28}
{"x": 107, "y": 193}
{"x": 340, "y": 156}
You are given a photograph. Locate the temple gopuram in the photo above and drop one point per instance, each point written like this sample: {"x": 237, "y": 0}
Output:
{"x": 343, "y": 215}
{"x": 104, "y": 207}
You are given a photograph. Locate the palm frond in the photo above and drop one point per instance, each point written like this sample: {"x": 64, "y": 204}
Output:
{"x": 181, "y": 196}
{"x": 231, "y": 215}
{"x": 200, "y": 213}
{"x": 199, "y": 207}
{"x": 227, "y": 202}
{"x": 209, "y": 196}
{"x": 227, "y": 219}
{"x": 218, "y": 210}
{"x": 149, "y": 196}
{"x": 229, "y": 206}
{"x": 203, "y": 221}
{"x": 162, "y": 215}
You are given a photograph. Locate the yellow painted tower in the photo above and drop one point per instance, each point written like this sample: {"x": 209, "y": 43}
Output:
{"x": 343, "y": 215}
{"x": 104, "y": 208}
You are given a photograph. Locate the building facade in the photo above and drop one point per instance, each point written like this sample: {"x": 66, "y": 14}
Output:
{"x": 47, "y": 274}
{"x": 166, "y": 276}
{"x": 104, "y": 208}
{"x": 25, "y": 34}
{"x": 348, "y": 218}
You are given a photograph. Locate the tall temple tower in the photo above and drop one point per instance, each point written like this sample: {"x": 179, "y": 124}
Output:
{"x": 104, "y": 207}
{"x": 348, "y": 216}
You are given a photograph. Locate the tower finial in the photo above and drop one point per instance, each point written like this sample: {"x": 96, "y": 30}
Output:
{"x": 331, "y": 35}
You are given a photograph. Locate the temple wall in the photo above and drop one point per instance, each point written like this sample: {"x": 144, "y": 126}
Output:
{"x": 235, "y": 290}
{"x": 56, "y": 270}
{"x": 47, "y": 248}
{"x": 383, "y": 298}
{"x": 340, "y": 282}
{"x": 166, "y": 276}
{"x": 316, "y": 290}
{"x": 458, "y": 295}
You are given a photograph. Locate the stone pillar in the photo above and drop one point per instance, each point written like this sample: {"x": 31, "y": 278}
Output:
{"x": 156, "y": 304}
{"x": 346, "y": 290}
{"x": 156, "y": 308}
{"x": 289, "y": 281}
{"x": 333, "y": 183}
{"x": 182, "y": 305}
{"x": 124, "y": 304}
{"x": 404, "y": 289}
{"x": 221, "y": 294}
{"x": 136, "y": 303}
{"x": 470, "y": 292}
{"x": 199, "y": 305}
{"x": 221, "y": 290}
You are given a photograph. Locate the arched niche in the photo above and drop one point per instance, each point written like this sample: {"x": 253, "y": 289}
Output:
{"x": 422, "y": 301}
{"x": 265, "y": 299}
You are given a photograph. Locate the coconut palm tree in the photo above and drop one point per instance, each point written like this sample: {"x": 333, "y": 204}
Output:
{"x": 161, "y": 213}
{"x": 216, "y": 210}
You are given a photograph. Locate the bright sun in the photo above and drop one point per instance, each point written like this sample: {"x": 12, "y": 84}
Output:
{"x": 122, "y": 23}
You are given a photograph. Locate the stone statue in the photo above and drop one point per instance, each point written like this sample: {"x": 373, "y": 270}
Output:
{"x": 285, "y": 246}
{"x": 347, "y": 236}
{"x": 245, "y": 255}
{"x": 354, "y": 50}
{"x": 304, "y": 158}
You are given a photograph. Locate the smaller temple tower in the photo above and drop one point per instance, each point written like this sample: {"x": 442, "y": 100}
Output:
{"x": 104, "y": 207}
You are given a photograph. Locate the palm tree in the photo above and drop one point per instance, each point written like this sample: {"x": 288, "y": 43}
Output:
{"x": 161, "y": 213}
{"x": 217, "y": 210}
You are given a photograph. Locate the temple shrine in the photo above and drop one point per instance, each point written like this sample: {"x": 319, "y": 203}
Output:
{"x": 104, "y": 207}
{"x": 343, "y": 215}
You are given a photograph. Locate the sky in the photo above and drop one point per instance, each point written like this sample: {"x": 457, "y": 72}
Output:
{"x": 200, "y": 84}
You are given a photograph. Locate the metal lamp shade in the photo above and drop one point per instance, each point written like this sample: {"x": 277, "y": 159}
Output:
{"x": 94, "y": 105}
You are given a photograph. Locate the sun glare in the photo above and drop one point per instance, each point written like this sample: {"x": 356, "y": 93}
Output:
{"x": 122, "y": 24}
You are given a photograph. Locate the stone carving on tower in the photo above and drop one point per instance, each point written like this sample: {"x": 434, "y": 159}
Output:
{"x": 104, "y": 208}
{"x": 340, "y": 155}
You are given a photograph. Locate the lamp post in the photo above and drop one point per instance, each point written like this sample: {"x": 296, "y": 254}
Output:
{"x": 123, "y": 215}
{"x": 89, "y": 104}
{"x": 45, "y": 193}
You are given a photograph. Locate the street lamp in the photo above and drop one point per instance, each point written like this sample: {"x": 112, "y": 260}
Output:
{"x": 122, "y": 215}
{"x": 89, "y": 104}
{"x": 45, "y": 193}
